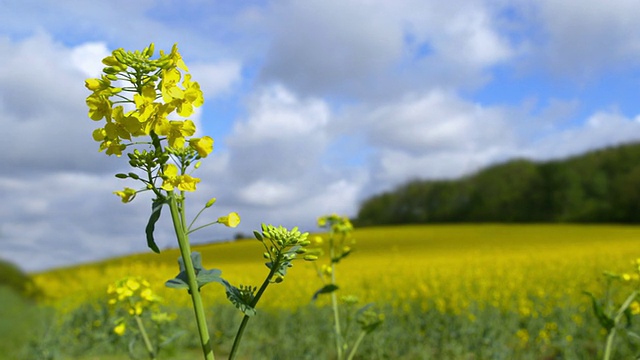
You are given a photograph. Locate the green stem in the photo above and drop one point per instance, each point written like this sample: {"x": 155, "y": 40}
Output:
{"x": 334, "y": 301}
{"x": 608, "y": 349}
{"x": 145, "y": 338}
{"x": 194, "y": 291}
{"x": 245, "y": 319}
{"x": 356, "y": 344}
{"x": 201, "y": 227}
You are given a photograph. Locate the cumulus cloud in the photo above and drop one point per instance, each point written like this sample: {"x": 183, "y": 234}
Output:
{"x": 216, "y": 79}
{"x": 326, "y": 51}
{"x": 272, "y": 164}
{"x": 282, "y": 137}
{"x": 393, "y": 45}
{"x": 579, "y": 39}
{"x": 42, "y": 106}
{"x": 434, "y": 135}
{"x": 601, "y": 129}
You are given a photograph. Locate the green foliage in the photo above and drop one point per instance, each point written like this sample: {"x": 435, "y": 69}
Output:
{"x": 203, "y": 276}
{"x": 12, "y": 277}
{"x": 600, "y": 186}
{"x": 156, "y": 209}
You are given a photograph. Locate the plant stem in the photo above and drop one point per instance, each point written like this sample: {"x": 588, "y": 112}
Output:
{"x": 608, "y": 349}
{"x": 334, "y": 300}
{"x": 245, "y": 319}
{"x": 609, "y": 344}
{"x": 356, "y": 344}
{"x": 145, "y": 338}
{"x": 194, "y": 291}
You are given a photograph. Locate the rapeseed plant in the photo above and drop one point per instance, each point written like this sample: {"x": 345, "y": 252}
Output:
{"x": 138, "y": 98}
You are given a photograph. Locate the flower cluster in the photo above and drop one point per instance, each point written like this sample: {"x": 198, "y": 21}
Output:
{"x": 137, "y": 97}
{"x": 340, "y": 241}
{"x": 145, "y": 82}
{"x": 134, "y": 295}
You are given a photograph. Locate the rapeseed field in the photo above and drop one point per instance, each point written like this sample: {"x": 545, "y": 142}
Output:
{"x": 516, "y": 291}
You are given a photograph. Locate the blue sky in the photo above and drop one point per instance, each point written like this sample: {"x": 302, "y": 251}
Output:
{"x": 314, "y": 105}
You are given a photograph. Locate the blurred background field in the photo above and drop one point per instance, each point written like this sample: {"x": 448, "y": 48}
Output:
{"x": 447, "y": 291}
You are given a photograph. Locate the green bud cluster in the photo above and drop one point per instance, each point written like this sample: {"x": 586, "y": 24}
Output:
{"x": 139, "y": 61}
{"x": 282, "y": 247}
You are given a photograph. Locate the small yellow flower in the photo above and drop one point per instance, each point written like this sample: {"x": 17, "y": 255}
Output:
{"x": 147, "y": 294}
{"x": 203, "y": 145}
{"x": 92, "y": 84}
{"x": 99, "y": 107}
{"x": 127, "y": 194}
{"x": 635, "y": 308}
{"x": 136, "y": 309}
{"x": 176, "y": 131}
{"x": 133, "y": 284}
{"x": 172, "y": 180}
{"x": 120, "y": 329}
{"x": 232, "y": 220}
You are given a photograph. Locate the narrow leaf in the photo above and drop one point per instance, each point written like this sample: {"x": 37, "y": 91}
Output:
{"x": 156, "y": 208}
{"x": 327, "y": 289}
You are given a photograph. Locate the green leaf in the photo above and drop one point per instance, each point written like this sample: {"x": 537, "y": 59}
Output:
{"x": 156, "y": 208}
{"x": 337, "y": 259}
{"x": 203, "y": 276}
{"x": 327, "y": 289}
{"x": 241, "y": 298}
{"x": 605, "y": 321}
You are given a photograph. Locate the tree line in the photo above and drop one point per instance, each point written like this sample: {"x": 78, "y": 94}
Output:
{"x": 601, "y": 186}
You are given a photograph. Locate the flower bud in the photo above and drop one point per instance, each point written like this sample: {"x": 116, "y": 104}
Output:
{"x": 92, "y": 84}
{"x": 210, "y": 202}
{"x": 148, "y": 52}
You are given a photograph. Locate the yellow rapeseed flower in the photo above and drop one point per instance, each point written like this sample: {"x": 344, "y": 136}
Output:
{"x": 172, "y": 180}
{"x": 203, "y": 145}
{"x": 232, "y": 220}
{"x": 176, "y": 131}
{"x": 127, "y": 194}
{"x": 120, "y": 329}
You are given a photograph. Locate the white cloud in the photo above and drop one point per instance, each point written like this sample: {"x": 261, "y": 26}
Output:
{"x": 601, "y": 129}
{"x": 375, "y": 48}
{"x": 216, "y": 79}
{"x": 268, "y": 193}
{"x": 42, "y": 106}
{"x": 88, "y": 58}
{"x": 276, "y": 114}
{"x": 582, "y": 39}
{"x": 334, "y": 45}
{"x": 437, "y": 120}
{"x": 282, "y": 137}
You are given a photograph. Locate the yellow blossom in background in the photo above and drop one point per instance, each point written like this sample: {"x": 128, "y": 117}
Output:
{"x": 635, "y": 308}
{"x": 120, "y": 329}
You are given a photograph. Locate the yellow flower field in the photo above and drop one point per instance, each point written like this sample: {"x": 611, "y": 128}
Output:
{"x": 451, "y": 267}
